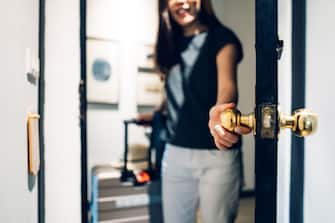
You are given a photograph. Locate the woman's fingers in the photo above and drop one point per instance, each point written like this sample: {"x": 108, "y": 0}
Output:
{"x": 218, "y": 109}
{"x": 219, "y": 130}
{"x": 222, "y": 146}
{"x": 242, "y": 130}
{"x": 145, "y": 116}
{"x": 221, "y": 143}
{"x": 223, "y": 138}
{"x": 219, "y": 140}
{"x": 225, "y": 135}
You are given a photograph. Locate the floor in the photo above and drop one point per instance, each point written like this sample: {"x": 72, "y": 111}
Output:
{"x": 246, "y": 211}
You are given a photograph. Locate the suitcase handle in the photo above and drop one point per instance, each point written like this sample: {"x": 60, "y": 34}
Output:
{"x": 126, "y": 174}
{"x": 137, "y": 122}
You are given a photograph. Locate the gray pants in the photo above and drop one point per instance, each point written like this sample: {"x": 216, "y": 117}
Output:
{"x": 209, "y": 179}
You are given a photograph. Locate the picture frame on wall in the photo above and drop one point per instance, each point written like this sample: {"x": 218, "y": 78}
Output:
{"x": 150, "y": 87}
{"x": 103, "y": 70}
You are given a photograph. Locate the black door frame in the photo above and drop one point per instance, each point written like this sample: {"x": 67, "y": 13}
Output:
{"x": 83, "y": 114}
{"x": 41, "y": 102}
{"x": 298, "y": 101}
{"x": 266, "y": 94}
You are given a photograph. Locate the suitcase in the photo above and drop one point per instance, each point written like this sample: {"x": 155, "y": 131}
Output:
{"x": 115, "y": 202}
{"x": 157, "y": 141}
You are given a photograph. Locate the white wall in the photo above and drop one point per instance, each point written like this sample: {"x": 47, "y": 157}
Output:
{"x": 62, "y": 130}
{"x": 19, "y": 24}
{"x": 284, "y": 99}
{"x": 239, "y": 15}
{"x": 320, "y": 79}
{"x": 127, "y": 20}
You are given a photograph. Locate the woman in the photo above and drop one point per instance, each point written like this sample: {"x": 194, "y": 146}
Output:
{"x": 198, "y": 57}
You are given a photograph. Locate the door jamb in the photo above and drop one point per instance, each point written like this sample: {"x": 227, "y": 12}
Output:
{"x": 83, "y": 114}
{"x": 41, "y": 103}
{"x": 266, "y": 94}
{"x": 298, "y": 101}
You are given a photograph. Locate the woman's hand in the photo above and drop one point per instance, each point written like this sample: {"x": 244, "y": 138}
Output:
{"x": 223, "y": 138}
{"x": 145, "y": 117}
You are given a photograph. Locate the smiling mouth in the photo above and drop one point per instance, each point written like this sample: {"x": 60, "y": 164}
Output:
{"x": 182, "y": 12}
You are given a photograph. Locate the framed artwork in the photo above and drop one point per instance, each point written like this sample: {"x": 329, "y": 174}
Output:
{"x": 149, "y": 84}
{"x": 103, "y": 68}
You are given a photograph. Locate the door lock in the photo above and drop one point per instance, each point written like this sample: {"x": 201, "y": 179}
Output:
{"x": 302, "y": 123}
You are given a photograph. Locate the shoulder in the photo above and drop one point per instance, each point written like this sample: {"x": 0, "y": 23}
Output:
{"x": 221, "y": 35}
{"x": 221, "y": 32}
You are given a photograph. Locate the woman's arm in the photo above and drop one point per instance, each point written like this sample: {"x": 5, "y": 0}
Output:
{"x": 148, "y": 116}
{"x": 226, "y": 61}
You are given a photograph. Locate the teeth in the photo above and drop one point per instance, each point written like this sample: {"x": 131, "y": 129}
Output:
{"x": 180, "y": 11}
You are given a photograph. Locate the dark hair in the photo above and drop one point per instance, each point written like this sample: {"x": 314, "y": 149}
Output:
{"x": 169, "y": 32}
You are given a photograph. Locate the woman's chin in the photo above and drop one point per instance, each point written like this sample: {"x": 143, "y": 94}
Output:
{"x": 186, "y": 22}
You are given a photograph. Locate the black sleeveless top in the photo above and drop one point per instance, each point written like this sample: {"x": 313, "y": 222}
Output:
{"x": 191, "y": 87}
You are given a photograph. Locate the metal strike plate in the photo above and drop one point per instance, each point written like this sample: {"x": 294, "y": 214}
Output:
{"x": 268, "y": 121}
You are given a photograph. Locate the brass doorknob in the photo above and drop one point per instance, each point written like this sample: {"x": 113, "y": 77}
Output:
{"x": 302, "y": 123}
{"x": 232, "y": 118}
